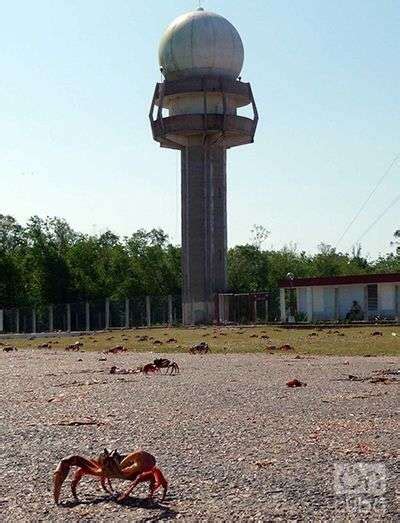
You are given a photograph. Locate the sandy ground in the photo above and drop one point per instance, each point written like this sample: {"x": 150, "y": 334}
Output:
{"x": 235, "y": 443}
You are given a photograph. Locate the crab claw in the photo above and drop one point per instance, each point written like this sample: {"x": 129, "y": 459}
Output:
{"x": 59, "y": 476}
{"x": 61, "y": 472}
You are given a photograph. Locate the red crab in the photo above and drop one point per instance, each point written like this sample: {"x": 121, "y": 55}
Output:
{"x": 149, "y": 368}
{"x": 116, "y": 350}
{"x": 163, "y": 363}
{"x": 296, "y": 383}
{"x": 200, "y": 348}
{"x": 158, "y": 364}
{"x": 9, "y": 348}
{"x": 74, "y": 346}
{"x": 138, "y": 467}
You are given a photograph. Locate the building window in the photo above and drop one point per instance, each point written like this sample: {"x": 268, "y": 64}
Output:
{"x": 372, "y": 297}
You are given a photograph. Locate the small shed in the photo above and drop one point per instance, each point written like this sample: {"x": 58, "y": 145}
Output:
{"x": 249, "y": 307}
{"x": 363, "y": 297}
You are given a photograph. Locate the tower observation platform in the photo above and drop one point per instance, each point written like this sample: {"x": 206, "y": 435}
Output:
{"x": 194, "y": 110}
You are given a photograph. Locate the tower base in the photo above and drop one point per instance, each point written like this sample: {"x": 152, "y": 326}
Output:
{"x": 198, "y": 313}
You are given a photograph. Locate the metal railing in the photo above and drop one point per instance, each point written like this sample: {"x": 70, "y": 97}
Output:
{"x": 93, "y": 315}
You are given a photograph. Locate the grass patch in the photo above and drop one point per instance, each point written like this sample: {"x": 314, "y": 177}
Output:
{"x": 356, "y": 341}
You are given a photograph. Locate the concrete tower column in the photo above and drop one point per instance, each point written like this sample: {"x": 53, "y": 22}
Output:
{"x": 204, "y": 237}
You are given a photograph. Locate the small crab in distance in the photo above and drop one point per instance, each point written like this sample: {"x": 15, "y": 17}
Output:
{"x": 138, "y": 467}
{"x": 116, "y": 350}
{"x": 163, "y": 363}
{"x": 199, "y": 348}
{"x": 158, "y": 364}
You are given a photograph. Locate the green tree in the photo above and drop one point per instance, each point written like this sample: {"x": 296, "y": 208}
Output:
{"x": 46, "y": 270}
{"x": 155, "y": 261}
{"x": 11, "y": 234}
{"x": 12, "y": 290}
{"x": 247, "y": 269}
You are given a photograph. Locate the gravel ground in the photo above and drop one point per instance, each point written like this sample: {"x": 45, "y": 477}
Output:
{"x": 235, "y": 443}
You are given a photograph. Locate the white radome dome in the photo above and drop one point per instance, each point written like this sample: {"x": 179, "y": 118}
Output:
{"x": 201, "y": 43}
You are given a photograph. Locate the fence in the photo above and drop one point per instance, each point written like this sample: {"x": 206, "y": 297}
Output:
{"x": 93, "y": 315}
{"x": 242, "y": 308}
{"x": 142, "y": 311}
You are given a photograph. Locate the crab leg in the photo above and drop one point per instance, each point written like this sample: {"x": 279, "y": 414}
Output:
{"x": 108, "y": 489}
{"x": 74, "y": 483}
{"x": 79, "y": 475}
{"x": 156, "y": 478}
{"x": 158, "y": 481}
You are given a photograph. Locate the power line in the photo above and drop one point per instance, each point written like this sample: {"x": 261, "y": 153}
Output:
{"x": 392, "y": 163}
{"x": 397, "y": 199}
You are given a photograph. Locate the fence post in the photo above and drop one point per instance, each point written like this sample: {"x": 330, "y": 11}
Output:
{"x": 107, "y": 313}
{"x": 87, "y": 314}
{"x": 127, "y": 313}
{"x": 17, "y": 320}
{"x": 255, "y": 310}
{"x": 148, "y": 311}
{"x": 68, "y": 317}
{"x": 266, "y": 310}
{"x": 1, "y": 320}
{"x": 221, "y": 316}
{"x": 170, "y": 315}
{"x": 282, "y": 304}
{"x": 33, "y": 321}
{"x": 51, "y": 318}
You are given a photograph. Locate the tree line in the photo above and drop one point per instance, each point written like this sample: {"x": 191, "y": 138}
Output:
{"x": 47, "y": 262}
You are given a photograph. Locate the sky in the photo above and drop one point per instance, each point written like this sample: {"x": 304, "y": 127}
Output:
{"x": 77, "y": 78}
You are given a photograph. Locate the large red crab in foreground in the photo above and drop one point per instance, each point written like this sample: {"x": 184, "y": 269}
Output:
{"x": 138, "y": 467}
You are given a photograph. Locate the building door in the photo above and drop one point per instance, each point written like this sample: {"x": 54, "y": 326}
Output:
{"x": 372, "y": 300}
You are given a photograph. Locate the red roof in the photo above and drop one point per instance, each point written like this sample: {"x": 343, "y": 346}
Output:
{"x": 341, "y": 280}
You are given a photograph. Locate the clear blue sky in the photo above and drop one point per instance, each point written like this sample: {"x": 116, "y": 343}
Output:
{"x": 77, "y": 78}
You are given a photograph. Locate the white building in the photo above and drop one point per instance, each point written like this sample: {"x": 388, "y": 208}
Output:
{"x": 333, "y": 298}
